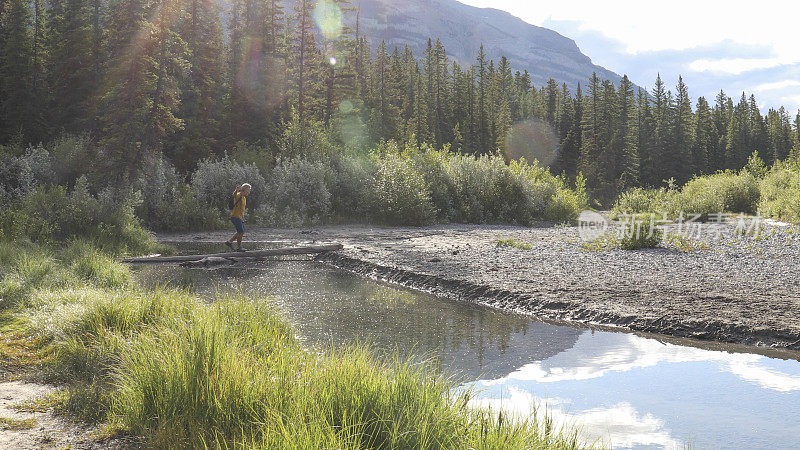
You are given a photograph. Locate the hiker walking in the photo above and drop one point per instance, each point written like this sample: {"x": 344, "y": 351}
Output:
{"x": 237, "y": 215}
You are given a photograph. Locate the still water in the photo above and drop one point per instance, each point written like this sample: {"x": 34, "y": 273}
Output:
{"x": 620, "y": 389}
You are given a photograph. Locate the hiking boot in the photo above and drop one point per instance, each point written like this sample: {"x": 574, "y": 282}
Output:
{"x": 241, "y": 249}
{"x": 230, "y": 246}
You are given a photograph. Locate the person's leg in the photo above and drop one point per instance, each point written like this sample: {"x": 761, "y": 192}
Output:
{"x": 239, "y": 237}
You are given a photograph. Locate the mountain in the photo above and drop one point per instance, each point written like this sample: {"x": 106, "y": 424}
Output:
{"x": 462, "y": 29}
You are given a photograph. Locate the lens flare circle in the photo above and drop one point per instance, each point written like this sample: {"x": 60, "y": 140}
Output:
{"x": 329, "y": 19}
{"x": 534, "y": 140}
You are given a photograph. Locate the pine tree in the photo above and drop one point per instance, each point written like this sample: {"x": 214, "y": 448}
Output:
{"x": 139, "y": 107}
{"x": 645, "y": 129}
{"x": 203, "y": 87}
{"x": 383, "y": 97}
{"x": 568, "y": 129}
{"x": 589, "y": 163}
{"x": 721, "y": 115}
{"x": 71, "y": 45}
{"x": 550, "y": 101}
{"x": 627, "y": 138}
{"x": 780, "y": 134}
{"x": 704, "y": 140}
{"x": 678, "y": 159}
{"x": 738, "y": 136}
{"x": 759, "y": 138}
{"x": 16, "y": 114}
{"x": 655, "y": 172}
{"x": 482, "y": 116}
{"x": 305, "y": 61}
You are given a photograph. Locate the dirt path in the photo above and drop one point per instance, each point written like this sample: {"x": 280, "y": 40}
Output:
{"x": 28, "y": 422}
{"x": 736, "y": 289}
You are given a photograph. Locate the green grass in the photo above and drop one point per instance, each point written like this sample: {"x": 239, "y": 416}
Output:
{"x": 179, "y": 373}
{"x": 513, "y": 243}
{"x": 7, "y": 423}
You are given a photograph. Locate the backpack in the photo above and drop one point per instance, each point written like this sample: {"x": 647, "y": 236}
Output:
{"x": 231, "y": 203}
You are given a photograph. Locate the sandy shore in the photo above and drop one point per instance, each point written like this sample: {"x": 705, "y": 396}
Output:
{"x": 736, "y": 289}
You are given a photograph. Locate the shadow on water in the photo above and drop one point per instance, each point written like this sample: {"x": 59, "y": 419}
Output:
{"x": 630, "y": 391}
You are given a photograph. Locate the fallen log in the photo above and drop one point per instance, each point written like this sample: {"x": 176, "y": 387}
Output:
{"x": 301, "y": 250}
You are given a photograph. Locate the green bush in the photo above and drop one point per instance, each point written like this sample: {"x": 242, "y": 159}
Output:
{"x": 780, "y": 193}
{"x": 216, "y": 179}
{"x": 399, "y": 194}
{"x": 298, "y": 193}
{"x": 640, "y": 200}
{"x": 703, "y": 195}
{"x": 169, "y": 204}
{"x": 348, "y": 182}
{"x": 640, "y": 234}
{"x": 721, "y": 192}
{"x": 310, "y": 140}
{"x": 54, "y": 214}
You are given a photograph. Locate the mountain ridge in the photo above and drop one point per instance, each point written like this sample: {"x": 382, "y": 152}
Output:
{"x": 462, "y": 28}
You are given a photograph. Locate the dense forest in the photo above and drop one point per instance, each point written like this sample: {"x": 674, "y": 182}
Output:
{"x": 191, "y": 80}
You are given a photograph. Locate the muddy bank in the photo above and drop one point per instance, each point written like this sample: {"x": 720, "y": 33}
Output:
{"x": 735, "y": 289}
{"x": 27, "y": 421}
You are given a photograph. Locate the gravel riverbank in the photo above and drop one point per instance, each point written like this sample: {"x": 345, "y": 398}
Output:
{"x": 730, "y": 288}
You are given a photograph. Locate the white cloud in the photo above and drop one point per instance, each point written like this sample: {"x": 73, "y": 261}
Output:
{"x": 778, "y": 85}
{"x": 626, "y": 352}
{"x": 733, "y": 66}
{"x": 620, "y": 425}
{"x": 650, "y": 26}
{"x": 791, "y": 100}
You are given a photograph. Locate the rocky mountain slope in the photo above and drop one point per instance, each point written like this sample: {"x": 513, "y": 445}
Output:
{"x": 463, "y": 28}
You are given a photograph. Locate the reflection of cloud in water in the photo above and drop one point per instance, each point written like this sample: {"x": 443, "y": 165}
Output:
{"x": 594, "y": 355}
{"x": 765, "y": 377}
{"x": 620, "y": 425}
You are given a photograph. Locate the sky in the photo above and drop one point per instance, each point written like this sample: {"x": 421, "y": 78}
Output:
{"x": 736, "y": 46}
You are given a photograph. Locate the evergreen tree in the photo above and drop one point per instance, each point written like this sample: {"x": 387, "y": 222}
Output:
{"x": 780, "y": 134}
{"x": 704, "y": 141}
{"x": 139, "y": 108}
{"x": 679, "y": 157}
{"x": 721, "y": 115}
{"x": 627, "y": 138}
{"x": 482, "y": 116}
{"x": 305, "y": 62}
{"x": 202, "y": 86}
{"x": 645, "y": 129}
{"x": 656, "y": 169}
{"x": 16, "y": 62}
{"x": 738, "y": 136}
{"x": 72, "y": 64}
{"x": 759, "y": 138}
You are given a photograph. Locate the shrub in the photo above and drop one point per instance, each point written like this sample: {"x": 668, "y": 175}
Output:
{"x": 433, "y": 165}
{"x": 780, "y": 193}
{"x": 107, "y": 219}
{"x": 310, "y": 140}
{"x": 399, "y": 194}
{"x": 487, "y": 190}
{"x": 215, "y": 181}
{"x": 640, "y": 234}
{"x": 703, "y": 195}
{"x": 298, "y": 193}
{"x": 640, "y": 200}
{"x": 169, "y": 204}
{"x": 721, "y": 192}
{"x": 16, "y": 178}
{"x": 348, "y": 183}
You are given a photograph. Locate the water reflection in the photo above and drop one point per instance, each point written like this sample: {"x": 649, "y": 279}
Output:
{"x": 623, "y": 389}
{"x": 637, "y": 392}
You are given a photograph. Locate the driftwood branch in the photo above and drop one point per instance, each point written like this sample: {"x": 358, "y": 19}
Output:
{"x": 301, "y": 250}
